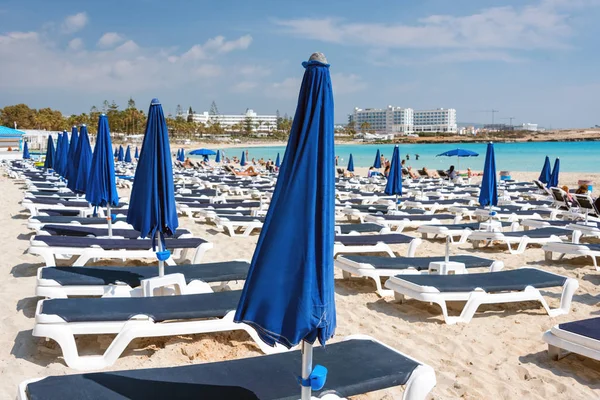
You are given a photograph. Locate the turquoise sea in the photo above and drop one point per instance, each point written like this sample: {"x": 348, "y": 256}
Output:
{"x": 529, "y": 156}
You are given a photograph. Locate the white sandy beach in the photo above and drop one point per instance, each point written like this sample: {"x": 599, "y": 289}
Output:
{"x": 499, "y": 355}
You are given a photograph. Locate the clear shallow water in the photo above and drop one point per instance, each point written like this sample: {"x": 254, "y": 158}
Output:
{"x": 574, "y": 156}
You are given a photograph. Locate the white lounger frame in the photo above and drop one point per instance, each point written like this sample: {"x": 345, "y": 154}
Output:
{"x": 572, "y": 249}
{"x": 482, "y": 236}
{"x": 478, "y": 297}
{"x": 380, "y": 247}
{"x": 420, "y": 383}
{"x": 561, "y": 343}
{"x": 363, "y": 270}
{"x": 50, "y": 253}
{"x": 230, "y": 227}
{"x": 398, "y": 225}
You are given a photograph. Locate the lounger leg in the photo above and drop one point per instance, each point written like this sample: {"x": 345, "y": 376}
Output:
{"x": 420, "y": 384}
{"x": 556, "y": 353}
{"x": 548, "y": 255}
{"x": 346, "y": 275}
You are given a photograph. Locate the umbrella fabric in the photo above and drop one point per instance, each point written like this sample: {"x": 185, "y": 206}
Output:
{"x": 459, "y": 153}
{"x": 202, "y": 152}
{"x": 277, "y": 161}
{"x": 218, "y": 157}
{"x": 152, "y": 204}
{"x": 546, "y": 172}
{"x": 128, "y": 155}
{"x": 137, "y": 155}
{"x": 71, "y": 171}
{"x": 101, "y": 186}
{"x": 84, "y": 162}
{"x": 56, "y": 161}
{"x": 243, "y": 160}
{"x": 49, "y": 161}
{"x": 488, "y": 194}
{"x": 377, "y": 162}
{"x": 26, "y": 155}
{"x": 116, "y": 152}
{"x": 554, "y": 176}
{"x": 121, "y": 155}
{"x": 394, "y": 182}
{"x": 289, "y": 292}
{"x": 182, "y": 155}
{"x": 350, "y": 164}
{"x": 62, "y": 155}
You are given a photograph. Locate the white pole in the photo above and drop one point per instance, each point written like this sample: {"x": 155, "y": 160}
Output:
{"x": 447, "y": 257}
{"x": 307, "y": 354}
{"x": 396, "y": 202}
{"x": 109, "y": 220}
{"x": 161, "y": 264}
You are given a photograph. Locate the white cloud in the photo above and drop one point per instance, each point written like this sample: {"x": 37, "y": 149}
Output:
{"x": 110, "y": 39}
{"x": 347, "y": 83}
{"x": 74, "y": 23}
{"x": 286, "y": 89}
{"x": 254, "y": 71}
{"x": 545, "y": 25}
{"x": 207, "y": 71}
{"x": 128, "y": 47}
{"x": 216, "y": 45}
{"x": 244, "y": 86}
{"x": 75, "y": 44}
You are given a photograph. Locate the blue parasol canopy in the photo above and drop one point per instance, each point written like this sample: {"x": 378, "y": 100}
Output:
{"x": 488, "y": 194}
{"x": 202, "y": 152}
{"x": 120, "y": 155}
{"x": 243, "y": 159}
{"x": 554, "y": 176}
{"x": 50, "y": 154}
{"x": 84, "y": 162}
{"x": 289, "y": 292}
{"x": 546, "y": 172}
{"x": 101, "y": 186}
{"x": 26, "y": 155}
{"x": 71, "y": 163}
{"x": 458, "y": 153}
{"x": 218, "y": 157}
{"x": 377, "y": 162}
{"x": 277, "y": 161}
{"x": 350, "y": 164}
{"x": 394, "y": 180}
{"x": 56, "y": 161}
{"x": 152, "y": 205}
{"x": 62, "y": 155}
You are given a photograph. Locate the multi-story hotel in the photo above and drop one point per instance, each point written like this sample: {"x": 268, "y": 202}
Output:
{"x": 397, "y": 120}
{"x": 259, "y": 122}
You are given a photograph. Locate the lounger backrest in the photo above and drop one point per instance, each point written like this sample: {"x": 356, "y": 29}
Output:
{"x": 585, "y": 201}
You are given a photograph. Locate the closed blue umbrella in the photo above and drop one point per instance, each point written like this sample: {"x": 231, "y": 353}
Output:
{"x": 152, "y": 205}
{"x": 26, "y": 155}
{"x": 101, "y": 185}
{"x": 350, "y": 164}
{"x": 554, "y": 176}
{"x": 277, "y": 161}
{"x": 128, "y": 155}
{"x": 182, "y": 155}
{"x": 116, "y": 152}
{"x": 289, "y": 293}
{"x": 218, "y": 157}
{"x": 49, "y": 161}
{"x": 137, "y": 154}
{"x": 394, "y": 179}
{"x": 84, "y": 162}
{"x": 121, "y": 154}
{"x": 178, "y": 155}
{"x": 546, "y": 172}
{"x": 243, "y": 160}
{"x": 62, "y": 155}
{"x": 56, "y": 161}
{"x": 488, "y": 194}
{"x": 377, "y": 162}
{"x": 71, "y": 170}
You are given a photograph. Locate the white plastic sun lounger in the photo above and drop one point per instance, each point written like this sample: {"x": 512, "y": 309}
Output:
{"x": 576, "y": 249}
{"x": 523, "y": 238}
{"x": 51, "y": 248}
{"x": 356, "y": 365}
{"x": 346, "y": 244}
{"x": 63, "y": 282}
{"x": 134, "y": 317}
{"x": 399, "y": 222}
{"x": 236, "y": 225}
{"x": 487, "y": 288}
{"x": 452, "y": 230}
{"x": 375, "y": 267}
{"x": 579, "y": 337}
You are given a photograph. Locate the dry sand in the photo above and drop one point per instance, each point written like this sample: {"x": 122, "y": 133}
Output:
{"x": 499, "y": 355}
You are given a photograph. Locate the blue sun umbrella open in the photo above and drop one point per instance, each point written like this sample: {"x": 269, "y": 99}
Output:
{"x": 152, "y": 209}
{"x": 458, "y": 153}
{"x": 202, "y": 152}
{"x": 288, "y": 296}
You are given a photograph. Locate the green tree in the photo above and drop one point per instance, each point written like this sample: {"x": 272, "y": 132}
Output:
{"x": 248, "y": 125}
{"x": 20, "y": 114}
{"x": 365, "y": 126}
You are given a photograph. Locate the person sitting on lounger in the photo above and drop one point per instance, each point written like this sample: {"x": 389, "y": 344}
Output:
{"x": 188, "y": 163}
{"x": 582, "y": 189}
{"x": 412, "y": 174}
{"x": 250, "y": 171}
{"x": 471, "y": 174}
{"x": 569, "y": 196}
{"x": 430, "y": 173}
{"x": 452, "y": 173}
{"x": 386, "y": 172}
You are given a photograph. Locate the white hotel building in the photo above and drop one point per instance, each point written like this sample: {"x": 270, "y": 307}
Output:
{"x": 264, "y": 122}
{"x": 397, "y": 120}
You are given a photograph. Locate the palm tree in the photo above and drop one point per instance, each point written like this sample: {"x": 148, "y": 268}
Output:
{"x": 365, "y": 126}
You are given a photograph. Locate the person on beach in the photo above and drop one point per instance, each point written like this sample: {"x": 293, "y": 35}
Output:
{"x": 337, "y": 159}
{"x": 187, "y": 163}
{"x": 452, "y": 173}
{"x": 386, "y": 172}
{"x": 412, "y": 174}
{"x": 250, "y": 171}
{"x": 570, "y": 198}
{"x": 382, "y": 159}
{"x": 582, "y": 189}
{"x": 416, "y": 156}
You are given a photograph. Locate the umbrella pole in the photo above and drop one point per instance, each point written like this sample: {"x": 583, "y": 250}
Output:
{"x": 161, "y": 264}
{"x": 447, "y": 257}
{"x": 307, "y": 355}
{"x": 396, "y": 202}
{"x": 109, "y": 220}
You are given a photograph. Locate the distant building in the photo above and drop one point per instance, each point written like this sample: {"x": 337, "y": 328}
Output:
{"x": 498, "y": 127}
{"x": 259, "y": 122}
{"x": 404, "y": 121}
{"x": 529, "y": 127}
{"x": 10, "y": 137}
{"x": 438, "y": 120}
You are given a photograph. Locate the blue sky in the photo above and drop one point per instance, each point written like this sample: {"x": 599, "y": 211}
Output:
{"x": 537, "y": 61}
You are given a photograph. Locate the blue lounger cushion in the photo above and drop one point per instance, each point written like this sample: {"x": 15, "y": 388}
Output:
{"x": 243, "y": 218}
{"x": 160, "y": 308}
{"x": 116, "y": 244}
{"x": 418, "y": 263}
{"x": 83, "y": 231}
{"x": 354, "y": 367}
{"x": 66, "y": 220}
{"x": 357, "y": 240}
{"x": 215, "y": 206}
{"x": 541, "y": 232}
{"x": 83, "y": 276}
{"x": 589, "y": 328}
{"x": 514, "y": 280}
{"x": 58, "y": 212}
{"x": 419, "y": 217}
{"x": 347, "y": 228}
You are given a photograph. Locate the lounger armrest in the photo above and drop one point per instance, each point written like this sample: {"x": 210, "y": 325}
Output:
{"x": 150, "y": 284}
